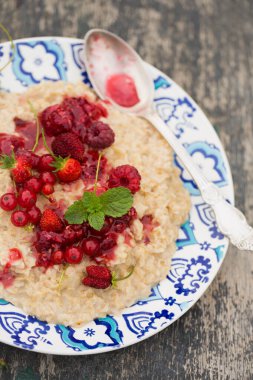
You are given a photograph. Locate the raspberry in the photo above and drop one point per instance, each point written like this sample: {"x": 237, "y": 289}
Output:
{"x": 126, "y": 176}
{"x": 100, "y": 135}
{"x": 68, "y": 145}
{"x": 55, "y": 120}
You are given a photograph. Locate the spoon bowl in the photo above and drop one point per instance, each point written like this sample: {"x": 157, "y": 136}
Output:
{"x": 107, "y": 55}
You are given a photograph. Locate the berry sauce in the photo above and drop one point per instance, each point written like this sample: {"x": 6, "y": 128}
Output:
{"x": 8, "y": 143}
{"x": 6, "y": 277}
{"x": 148, "y": 226}
{"x": 27, "y": 130}
{"x": 122, "y": 90}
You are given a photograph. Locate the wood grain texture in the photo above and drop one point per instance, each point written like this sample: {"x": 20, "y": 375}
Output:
{"x": 207, "y": 47}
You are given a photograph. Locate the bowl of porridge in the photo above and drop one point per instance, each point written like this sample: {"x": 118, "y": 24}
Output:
{"x": 104, "y": 237}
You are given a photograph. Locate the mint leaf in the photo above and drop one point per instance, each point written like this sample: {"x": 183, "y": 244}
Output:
{"x": 117, "y": 201}
{"x": 76, "y": 213}
{"x": 96, "y": 220}
{"x": 91, "y": 202}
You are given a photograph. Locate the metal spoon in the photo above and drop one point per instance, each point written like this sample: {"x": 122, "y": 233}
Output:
{"x": 105, "y": 54}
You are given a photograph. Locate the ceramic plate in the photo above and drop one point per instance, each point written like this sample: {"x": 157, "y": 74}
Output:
{"x": 200, "y": 247}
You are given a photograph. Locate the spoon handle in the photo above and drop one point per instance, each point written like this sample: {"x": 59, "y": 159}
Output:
{"x": 230, "y": 220}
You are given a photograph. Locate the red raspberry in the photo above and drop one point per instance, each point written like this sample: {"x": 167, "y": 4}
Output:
{"x": 126, "y": 176}
{"x": 55, "y": 120}
{"x": 68, "y": 145}
{"x": 100, "y": 135}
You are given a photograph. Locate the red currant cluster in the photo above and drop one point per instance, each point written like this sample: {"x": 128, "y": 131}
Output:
{"x": 27, "y": 187}
{"x": 72, "y": 242}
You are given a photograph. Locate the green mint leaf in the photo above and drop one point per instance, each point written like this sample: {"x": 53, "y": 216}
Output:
{"x": 96, "y": 220}
{"x": 117, "y": 201}
{"x": 76, "y": 213}
{"x": 91, "y": 202}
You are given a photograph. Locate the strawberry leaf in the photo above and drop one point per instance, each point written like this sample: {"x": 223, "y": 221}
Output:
{"x": 76, "y": 213}
{"x": 117, "y": 201}
{"x": 7, "y": 162}
{"x": 96, "y": 220}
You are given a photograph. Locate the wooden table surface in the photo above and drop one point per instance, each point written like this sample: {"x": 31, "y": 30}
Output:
{"x": 206, "y": 46}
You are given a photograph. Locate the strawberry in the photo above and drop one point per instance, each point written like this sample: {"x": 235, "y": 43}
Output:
{"x": 68, "y": 145}
{"x": 96, "y": 283}
{"x": 50, "y": 221}
{"x": 20, "y": 167}
{"x": 99, "y": 272}
{"x": 68, "y": 169}
{"x": 99, "y": 277}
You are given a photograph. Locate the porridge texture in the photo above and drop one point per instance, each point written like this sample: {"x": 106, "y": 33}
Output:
{"x": 149, "y": 250}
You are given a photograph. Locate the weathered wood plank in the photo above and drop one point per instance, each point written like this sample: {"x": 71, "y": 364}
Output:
{"x": 207, "y": 47}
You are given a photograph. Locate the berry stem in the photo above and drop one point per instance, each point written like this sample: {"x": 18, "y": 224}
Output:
{"x": 37, "y": 125}
{"x": 115, "y": 279}
{"x": 97, "y": 171}
{"x": 63, "y": 272}
{"x": 46, "y": 144}
{"x": 6, "y": 32}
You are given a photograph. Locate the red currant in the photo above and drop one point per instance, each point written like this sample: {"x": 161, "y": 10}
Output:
{"x": 30, "y": 157}
{"x": 69, "y": 235}
{"x": 119, "y": 226}
{"x": 8, "y": 201}
{"x": 109, "y": 242}
{"x": 47, "y": 189}
{"x": 57, "y": 257}
{"x": 73, "y": 255}
{"x": 34, "y": 184}
{"x": 34, "y": 215}
{"x": 27, "y": 198}
{"x": 90, "y": 246}
{"x": 45, "y": 163}
{"x": 19, "y": 218}
{"x": 48, "y": 177}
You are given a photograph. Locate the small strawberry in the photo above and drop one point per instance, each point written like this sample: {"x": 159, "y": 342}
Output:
{"x": 99, "y": 272}
{"x": 50, "y": 221}
{"x": 96, "y": 283}
{"x": 19, "y": 166}
{"x": 68, "y": 169}
{"x": 100, "y": 277}
{"x": 68, "y": 145}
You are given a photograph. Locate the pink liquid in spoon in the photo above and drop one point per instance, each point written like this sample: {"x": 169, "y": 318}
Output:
{"x": 122, "y": 90}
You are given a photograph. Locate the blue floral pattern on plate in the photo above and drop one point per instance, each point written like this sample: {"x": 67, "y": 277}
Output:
{"x": 200, "y": 245}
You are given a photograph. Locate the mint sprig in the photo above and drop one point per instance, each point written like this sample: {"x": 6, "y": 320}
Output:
{"x": 93, "y": 208}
